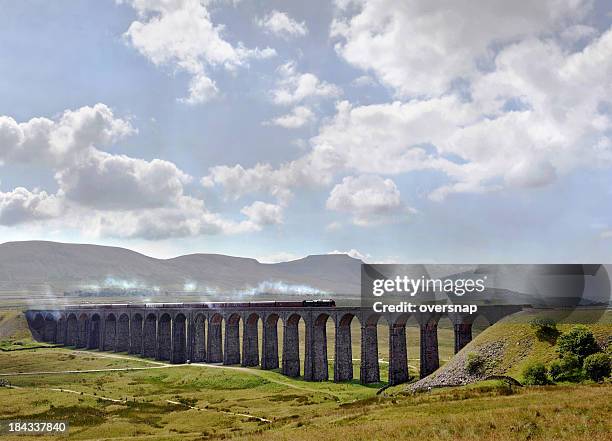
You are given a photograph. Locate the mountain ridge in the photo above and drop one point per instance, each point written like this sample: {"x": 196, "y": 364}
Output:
{"x": 33, "y": 265}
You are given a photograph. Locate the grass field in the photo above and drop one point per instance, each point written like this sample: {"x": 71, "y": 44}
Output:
{"x": 142, "y": 399}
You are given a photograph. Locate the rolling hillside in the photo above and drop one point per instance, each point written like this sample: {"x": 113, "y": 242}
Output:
{"x": 38, "y": 266}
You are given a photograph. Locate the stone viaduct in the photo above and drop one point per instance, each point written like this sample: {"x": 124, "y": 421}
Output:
{"x": 210, "y": 333}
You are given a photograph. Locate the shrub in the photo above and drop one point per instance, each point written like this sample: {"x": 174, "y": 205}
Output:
{"x": 474, "y": 363}
{"x": 569, "y": 368}
{"x": 578, "y": 341}
{"x": 597, "y": 366}
{"x": 535, "y": 374}
{"x": 545, "y": 329}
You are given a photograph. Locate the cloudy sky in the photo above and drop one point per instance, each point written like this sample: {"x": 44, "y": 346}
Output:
{"x": 413, "y": 131}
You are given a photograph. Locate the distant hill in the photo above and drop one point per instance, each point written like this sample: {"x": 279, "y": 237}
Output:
{"x": 36, "y": 266}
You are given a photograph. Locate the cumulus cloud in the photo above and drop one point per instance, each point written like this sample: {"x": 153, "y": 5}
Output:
{"x": 106, "y": 194}
{"x": 261, "y": 213}
{"x": 540, "y": 110}
{"x": 181, "y": 35}
{"x": 119, "y": 182}
{"x": 369, "y": 199}
{"x": 188, "y": 218}
{"x": 371, "y": 34}
{"x": 298, "y": 117}
{"x": 294, "y": 87}
{"x": 238, "y": 181}
{"x": 280, "y": 24}
{"x": 55, "y": 141}
{"x": 23, "y": 206}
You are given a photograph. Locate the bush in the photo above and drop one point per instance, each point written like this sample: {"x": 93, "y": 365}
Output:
{"x": 569, "y": 368}
{"x": 474, "y": 363}
{"x": 545, "y": 329}
{"x": 578, "y": 341}
{"x": 535, "y": 374}
{"x": 597, "y": 366}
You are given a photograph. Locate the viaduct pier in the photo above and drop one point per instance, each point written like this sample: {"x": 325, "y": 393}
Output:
{"x": 210, "y": 333}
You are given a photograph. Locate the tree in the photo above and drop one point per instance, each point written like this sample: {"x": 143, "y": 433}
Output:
{"x": 535, "y": 374}
{"x": 545, "y": 329}
{"x": 569, "y": 368}
{"x": 597, "y": 366}
{"x": 578, "y": 341}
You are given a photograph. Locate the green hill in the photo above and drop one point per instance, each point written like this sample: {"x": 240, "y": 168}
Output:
{"x": 507, "y": 347}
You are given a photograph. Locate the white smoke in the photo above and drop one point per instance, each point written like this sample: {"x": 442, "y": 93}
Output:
{"x": 281, "y": 288}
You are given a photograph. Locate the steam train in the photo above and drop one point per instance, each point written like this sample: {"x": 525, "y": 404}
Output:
{"x": 219, "y": 305}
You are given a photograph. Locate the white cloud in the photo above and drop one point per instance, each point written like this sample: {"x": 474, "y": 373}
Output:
{"x": 541, "y": 112}
{"x": 294, "y": 87}
{"x": 47, "y": 141}
{"x": 261, "y": 213}
{"x": 363, "y": 81}
{"x": 105, "y": 194}
{"x": 397, "y": 43}
{"x": 298, "y": 117}
{"x": 23, "y": 206}
{"x": 369, "y": 199}
{"x": 181, "y": 34}
{"x": 188, "y": 218}
{"x": 279, "y": 23}
{"x": 119, "y": 182}
{"x": 238, "y": 181}
{"x": 355, "y": 254}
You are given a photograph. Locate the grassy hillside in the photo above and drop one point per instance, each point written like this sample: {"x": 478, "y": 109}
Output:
{"x": 510, "y": 345}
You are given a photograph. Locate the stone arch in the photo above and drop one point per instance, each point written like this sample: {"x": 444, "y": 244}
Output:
{"x": 250, "y": 340}
{"x": 50, "y": 329}
{"x": 269, "y": 357}
{"x": 316, "y": 363}
{"x": 369, "y": 369}
{"x": 343, "y": 348}
{"x": 136, "y": 334}
{"x": 179, "y": 338}
{"x": 61, "y": 330}
{"x": 93, "y": 341}
{"x": 149, "y": 336}
{"x": 398, "y": 349}
{"x": 480, "y": 324}
{"x": 38, "y": 327}
{"x": 231, "y": 348}
{"x": 429, "y": 356}
{"x": 123, "y": 333}
{"x": 110, "y": 332}
{"x": 84, "y": 336}
{"x": 164, "y": 337}
{"x": 215, "y": 338}
{"x": 199, "y": 338}
{"x": 72, "y": 330}
{"x": 291, "y": 345}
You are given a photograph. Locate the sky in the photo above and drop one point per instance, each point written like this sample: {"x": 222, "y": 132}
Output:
{"x": 409, "y": 132}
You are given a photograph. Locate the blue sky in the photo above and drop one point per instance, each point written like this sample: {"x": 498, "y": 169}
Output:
{"x": 426, "y": 132}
